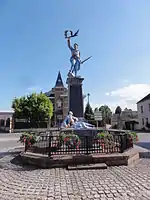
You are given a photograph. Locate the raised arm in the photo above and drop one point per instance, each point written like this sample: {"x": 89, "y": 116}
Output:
{"x": 69, "y": 44}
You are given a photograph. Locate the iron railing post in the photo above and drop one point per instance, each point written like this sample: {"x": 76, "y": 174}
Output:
{"x": 49, "y": 149}
{"x": 87, "y": 145}
{"x": 121, "y": 144}
{"x": 123, "y": 141}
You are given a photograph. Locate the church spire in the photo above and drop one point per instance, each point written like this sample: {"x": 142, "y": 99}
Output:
{"x": 59, "y": 82}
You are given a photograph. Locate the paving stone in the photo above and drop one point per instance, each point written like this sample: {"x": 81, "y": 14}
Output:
{"x": 122, "y": 183}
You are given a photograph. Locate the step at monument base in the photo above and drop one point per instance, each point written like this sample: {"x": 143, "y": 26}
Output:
{"x": 88, "y": 166}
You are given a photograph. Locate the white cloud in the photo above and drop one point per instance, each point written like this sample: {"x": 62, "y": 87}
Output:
{"x": 107, "y": 93}
{"x": 128, "y": 96}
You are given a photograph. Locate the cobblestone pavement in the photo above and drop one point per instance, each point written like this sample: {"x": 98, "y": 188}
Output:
{"x": 114, "y": 183}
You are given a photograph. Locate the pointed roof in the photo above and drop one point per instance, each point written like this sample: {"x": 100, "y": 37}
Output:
{"x": 59, "y": 82}
{"x": 147, "y": 97}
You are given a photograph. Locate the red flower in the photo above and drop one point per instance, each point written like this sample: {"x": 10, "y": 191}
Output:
{"x": 29, "y": 143}
{"x": 103, "y": 145}
{"x": 24, "y": 140}
{"x": 66, "y": 139}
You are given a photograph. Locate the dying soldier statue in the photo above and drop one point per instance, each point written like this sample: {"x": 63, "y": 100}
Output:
{"x": 73, "y": 122}
{"x": 69, "y": 120}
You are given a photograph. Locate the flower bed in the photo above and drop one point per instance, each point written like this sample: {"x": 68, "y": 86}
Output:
{"x": 134, "y": 136}
{"x": 28, "y": 139}
{"x": 104, "y": 139}
{"x": 70, "y": 140}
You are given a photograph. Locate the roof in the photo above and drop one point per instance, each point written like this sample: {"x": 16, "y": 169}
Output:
{"x": 145, "y": 98}
{"x": 59, "y": 82}
{"x": 6, "y": 111}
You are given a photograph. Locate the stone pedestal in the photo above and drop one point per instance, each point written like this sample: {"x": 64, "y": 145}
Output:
{"x": 75, "y": 96}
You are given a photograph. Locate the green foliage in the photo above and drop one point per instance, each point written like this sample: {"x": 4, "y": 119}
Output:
{"x": 96, "y": 109}
{"x": 104, "y": 135}
{"x": 105, "y": 139}
{"x": 28, "y": 138}
{"x": 118, "y": 110}
{"x": 101, "y": 135}
{"x": 134, "y": 136}
{"x": 106, "y": 114}
{"x": 33, "y": 107}
{"x": 89, "y": 115}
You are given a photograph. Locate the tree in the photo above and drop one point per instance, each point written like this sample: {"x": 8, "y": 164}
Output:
{"x": 88, "y": 114}
{"x": 33, "y": 108}
{"x": 106, "y": 114}
{"x": 118, "y": 110}
{"x": 96, "y": 109}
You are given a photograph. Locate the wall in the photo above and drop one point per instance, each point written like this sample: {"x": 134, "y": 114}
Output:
{"x": 145, "y": 114}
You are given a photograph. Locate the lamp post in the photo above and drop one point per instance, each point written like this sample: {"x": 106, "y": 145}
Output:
{"x": 88, "y": 98}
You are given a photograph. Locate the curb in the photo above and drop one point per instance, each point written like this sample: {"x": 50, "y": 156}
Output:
{"x": 143, "y": 152}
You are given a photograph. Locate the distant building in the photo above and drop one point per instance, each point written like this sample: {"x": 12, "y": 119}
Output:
{"x": 128, "y": 119}
{"x": 59, "y": 97}
{"x": 6, "y": 121}
{"x": 143, "y": 107}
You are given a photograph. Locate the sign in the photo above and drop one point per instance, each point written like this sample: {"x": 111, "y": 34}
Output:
{"x": 60, "y": 117}
{"x": 98, "y": 115}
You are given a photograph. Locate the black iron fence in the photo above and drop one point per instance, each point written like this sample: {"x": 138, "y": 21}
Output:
{"x": 61, "y": 144}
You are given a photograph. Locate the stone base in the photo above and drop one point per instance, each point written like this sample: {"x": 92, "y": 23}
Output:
{"x": 130, "y": 157}
{"x": 75, "y": 96}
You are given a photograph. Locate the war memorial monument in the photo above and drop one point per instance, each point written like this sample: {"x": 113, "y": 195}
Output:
{"x": 74, "y": 81}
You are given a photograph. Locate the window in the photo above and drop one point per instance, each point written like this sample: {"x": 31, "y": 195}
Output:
{"x": 141, "y": 109}
{"x": 142, "y": 121}
{"x": 149, "y": 107}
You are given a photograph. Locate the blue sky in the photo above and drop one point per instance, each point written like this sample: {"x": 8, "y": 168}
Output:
{"x": 115, "y": 33}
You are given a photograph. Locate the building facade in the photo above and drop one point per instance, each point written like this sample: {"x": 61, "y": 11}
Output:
{"x": 6, "y": 121}
{"x": 59, "y": 97}
{"x": 143, "y": 107}
{"x": 128, "y": 119}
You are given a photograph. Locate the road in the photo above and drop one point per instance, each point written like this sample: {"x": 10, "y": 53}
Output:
{"x": 144, "y": 140}
{"x": 8, "y": 141}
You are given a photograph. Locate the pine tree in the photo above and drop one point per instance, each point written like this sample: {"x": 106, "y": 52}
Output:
{"x": 89, "y": 115}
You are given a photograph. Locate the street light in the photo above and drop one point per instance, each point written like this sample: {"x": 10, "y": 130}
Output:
{"x": 88, "y": 97}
